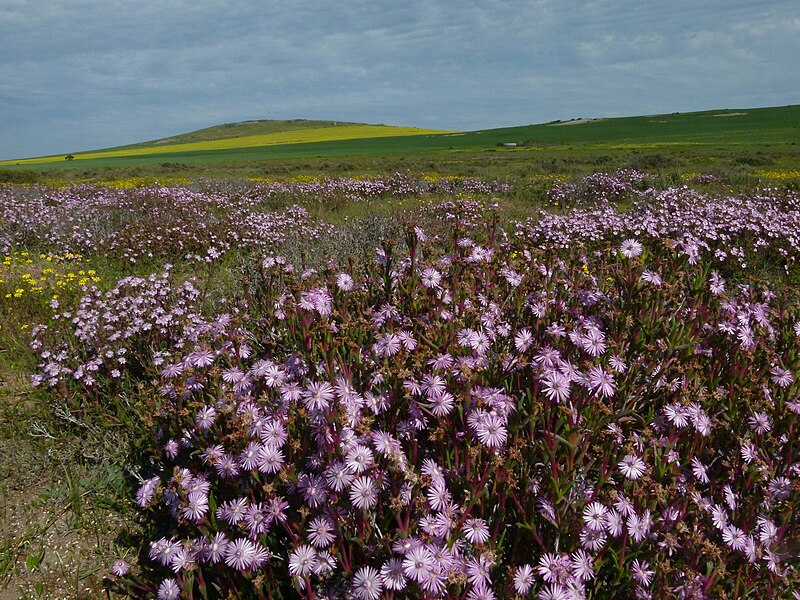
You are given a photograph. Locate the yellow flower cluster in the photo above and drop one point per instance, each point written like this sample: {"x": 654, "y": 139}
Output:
{"x": 19, "y": 276}
{"x": 793, "y": 175}
{"x": 139, "y": 182}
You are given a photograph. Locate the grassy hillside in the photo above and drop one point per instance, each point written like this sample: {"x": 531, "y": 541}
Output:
{"x": 279, "y": 138}
{"x": 240, "y": 129}
{"x": 729, "y": 127}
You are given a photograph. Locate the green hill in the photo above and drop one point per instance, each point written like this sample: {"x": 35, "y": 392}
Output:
{"x": 271, "y": 140}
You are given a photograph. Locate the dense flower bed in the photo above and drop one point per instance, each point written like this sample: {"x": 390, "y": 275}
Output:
{"x": 486, "y": 422}
{"x": 585, "y": 408}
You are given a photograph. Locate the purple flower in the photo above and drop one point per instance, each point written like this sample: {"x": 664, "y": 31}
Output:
{"x": 641, "y": 572}
{"x": 169, "y": 590}
{"x": 363, "y": 493}
{"x": 594, "y": 516}
{"x": 120, "y": 567}
{"x": 206, "y": 417}
{"x": 367, "y": 584}
{"x": 392, "y": 575}
{"x": 632, "y": 467}
{"x": 240, "y": 554}
{"x": 419, "y": 564}
{"x": 601, "y": 382}
{"x": 318, "y": 396}
{"x": 631, "y": 248}
{"x": 302, "y": 560}
{"x": 523, "y": 579}
{"x": 320, "y": 532}
{"x": 781, "y": 377}
{"x": 476, "y": 531}
{"x": 270, "y": 459}
{"x": 491, "y": 431}
{"x": 215, "y": 550}
{"x": 196, "y": 506}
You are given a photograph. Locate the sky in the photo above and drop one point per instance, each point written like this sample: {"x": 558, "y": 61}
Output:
{"x": 86, "y": 74}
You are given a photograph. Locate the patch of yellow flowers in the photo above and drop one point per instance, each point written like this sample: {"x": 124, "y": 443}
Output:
{"x": 793, "y": 175}
{"x": 41, "y": 276}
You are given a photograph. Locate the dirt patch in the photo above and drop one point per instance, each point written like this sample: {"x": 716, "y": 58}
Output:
{"x": 573, "y": 122}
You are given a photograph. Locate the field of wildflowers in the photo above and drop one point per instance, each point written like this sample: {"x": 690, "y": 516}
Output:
{"x": 598, "y": 401}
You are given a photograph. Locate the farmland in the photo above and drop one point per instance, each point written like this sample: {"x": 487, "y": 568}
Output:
{"x": 412, "y": 366}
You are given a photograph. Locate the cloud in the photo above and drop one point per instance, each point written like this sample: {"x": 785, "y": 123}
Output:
{"x": 81, "y": 74}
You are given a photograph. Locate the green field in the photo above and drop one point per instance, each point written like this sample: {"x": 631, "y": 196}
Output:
{"x": 695, "y": 133}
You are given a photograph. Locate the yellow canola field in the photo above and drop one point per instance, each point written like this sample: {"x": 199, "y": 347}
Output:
{"x": 299, "y": 136}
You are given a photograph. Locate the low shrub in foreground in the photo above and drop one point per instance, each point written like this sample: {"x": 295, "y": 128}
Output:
{"x": 475, "y": 417}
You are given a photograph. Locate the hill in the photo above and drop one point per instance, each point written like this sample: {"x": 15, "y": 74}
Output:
{"x": 241, "y": 142}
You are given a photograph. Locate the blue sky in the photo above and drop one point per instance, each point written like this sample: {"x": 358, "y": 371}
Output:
{"x": 84, "y": 74}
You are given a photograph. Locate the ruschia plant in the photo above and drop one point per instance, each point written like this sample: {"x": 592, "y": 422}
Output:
{"x": 475, "y": 417}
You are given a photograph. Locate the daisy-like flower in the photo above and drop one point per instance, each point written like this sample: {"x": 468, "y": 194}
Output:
{"x": 318, "y": 396}
{"x": 359, "y": 459}
{"x": 442, "y": 404}
{"x": 145, "y": 493}
{"x": 523, "y": 580}
{"x": 781, "y": 377}
{"x": 632, "y": 467}
{"x": 641, "y": 572}
{"x": 638, "y": 527}
{"x": 273, "y": 433}
{"x": 491, "y": 431}
{"x": 555, "y": 386}
{"x": 631, "y": 248}
{"x": 676, "y": 415}
{"x": 749, "y": 452}
{"x": 239, "y": 554}
{"x": 594, "y": 516}
{"x": 476, "y": 531}
{"x": 615, "y": 523}
{"x": 169, "y": 590}
{"x": 249, "y": 457}
{"x": 171, "y": 449}
{"x": 232, "y": 511}
{"x": 363, "y": 493}
{"x": 182, "y": 561}
{"x": 215, "y": 550}
{"x": 120, "y": 567}
{"x": 302, "y": 560}
{"x": 367, "y": 584}
{"x": 196, "y": 507}
{"x": 205, "y": 418}
{"x": 419, "y": 564}
{"x": 734, "y": 537}
{"x": 478, "y": 571}
{"x": 257, "y": 520}
{"x": 554, "y": 568}
{"x": 601, "y": 382}
{"x": 582, "y": 565}
{"x": 338, "y": 476}
{"x": 523, "y": 340}
{"x": 441, "y": 362}
{"x": 320, "y": 532}
{"x": 431, "y": 278}
{"x": 438, "y": 497}
{"x": 652, "y": 278}
{"x": 780, "y": 488}
{"x": 760, "y": 423}
{"x": 699, "y": 471}
{"x": 554, "y": 591}
{"x": 344, "y": 282}
{"x": 392, "y": 575}
{"x": 270, "y": 459}
{"x": 592, "y": 539}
